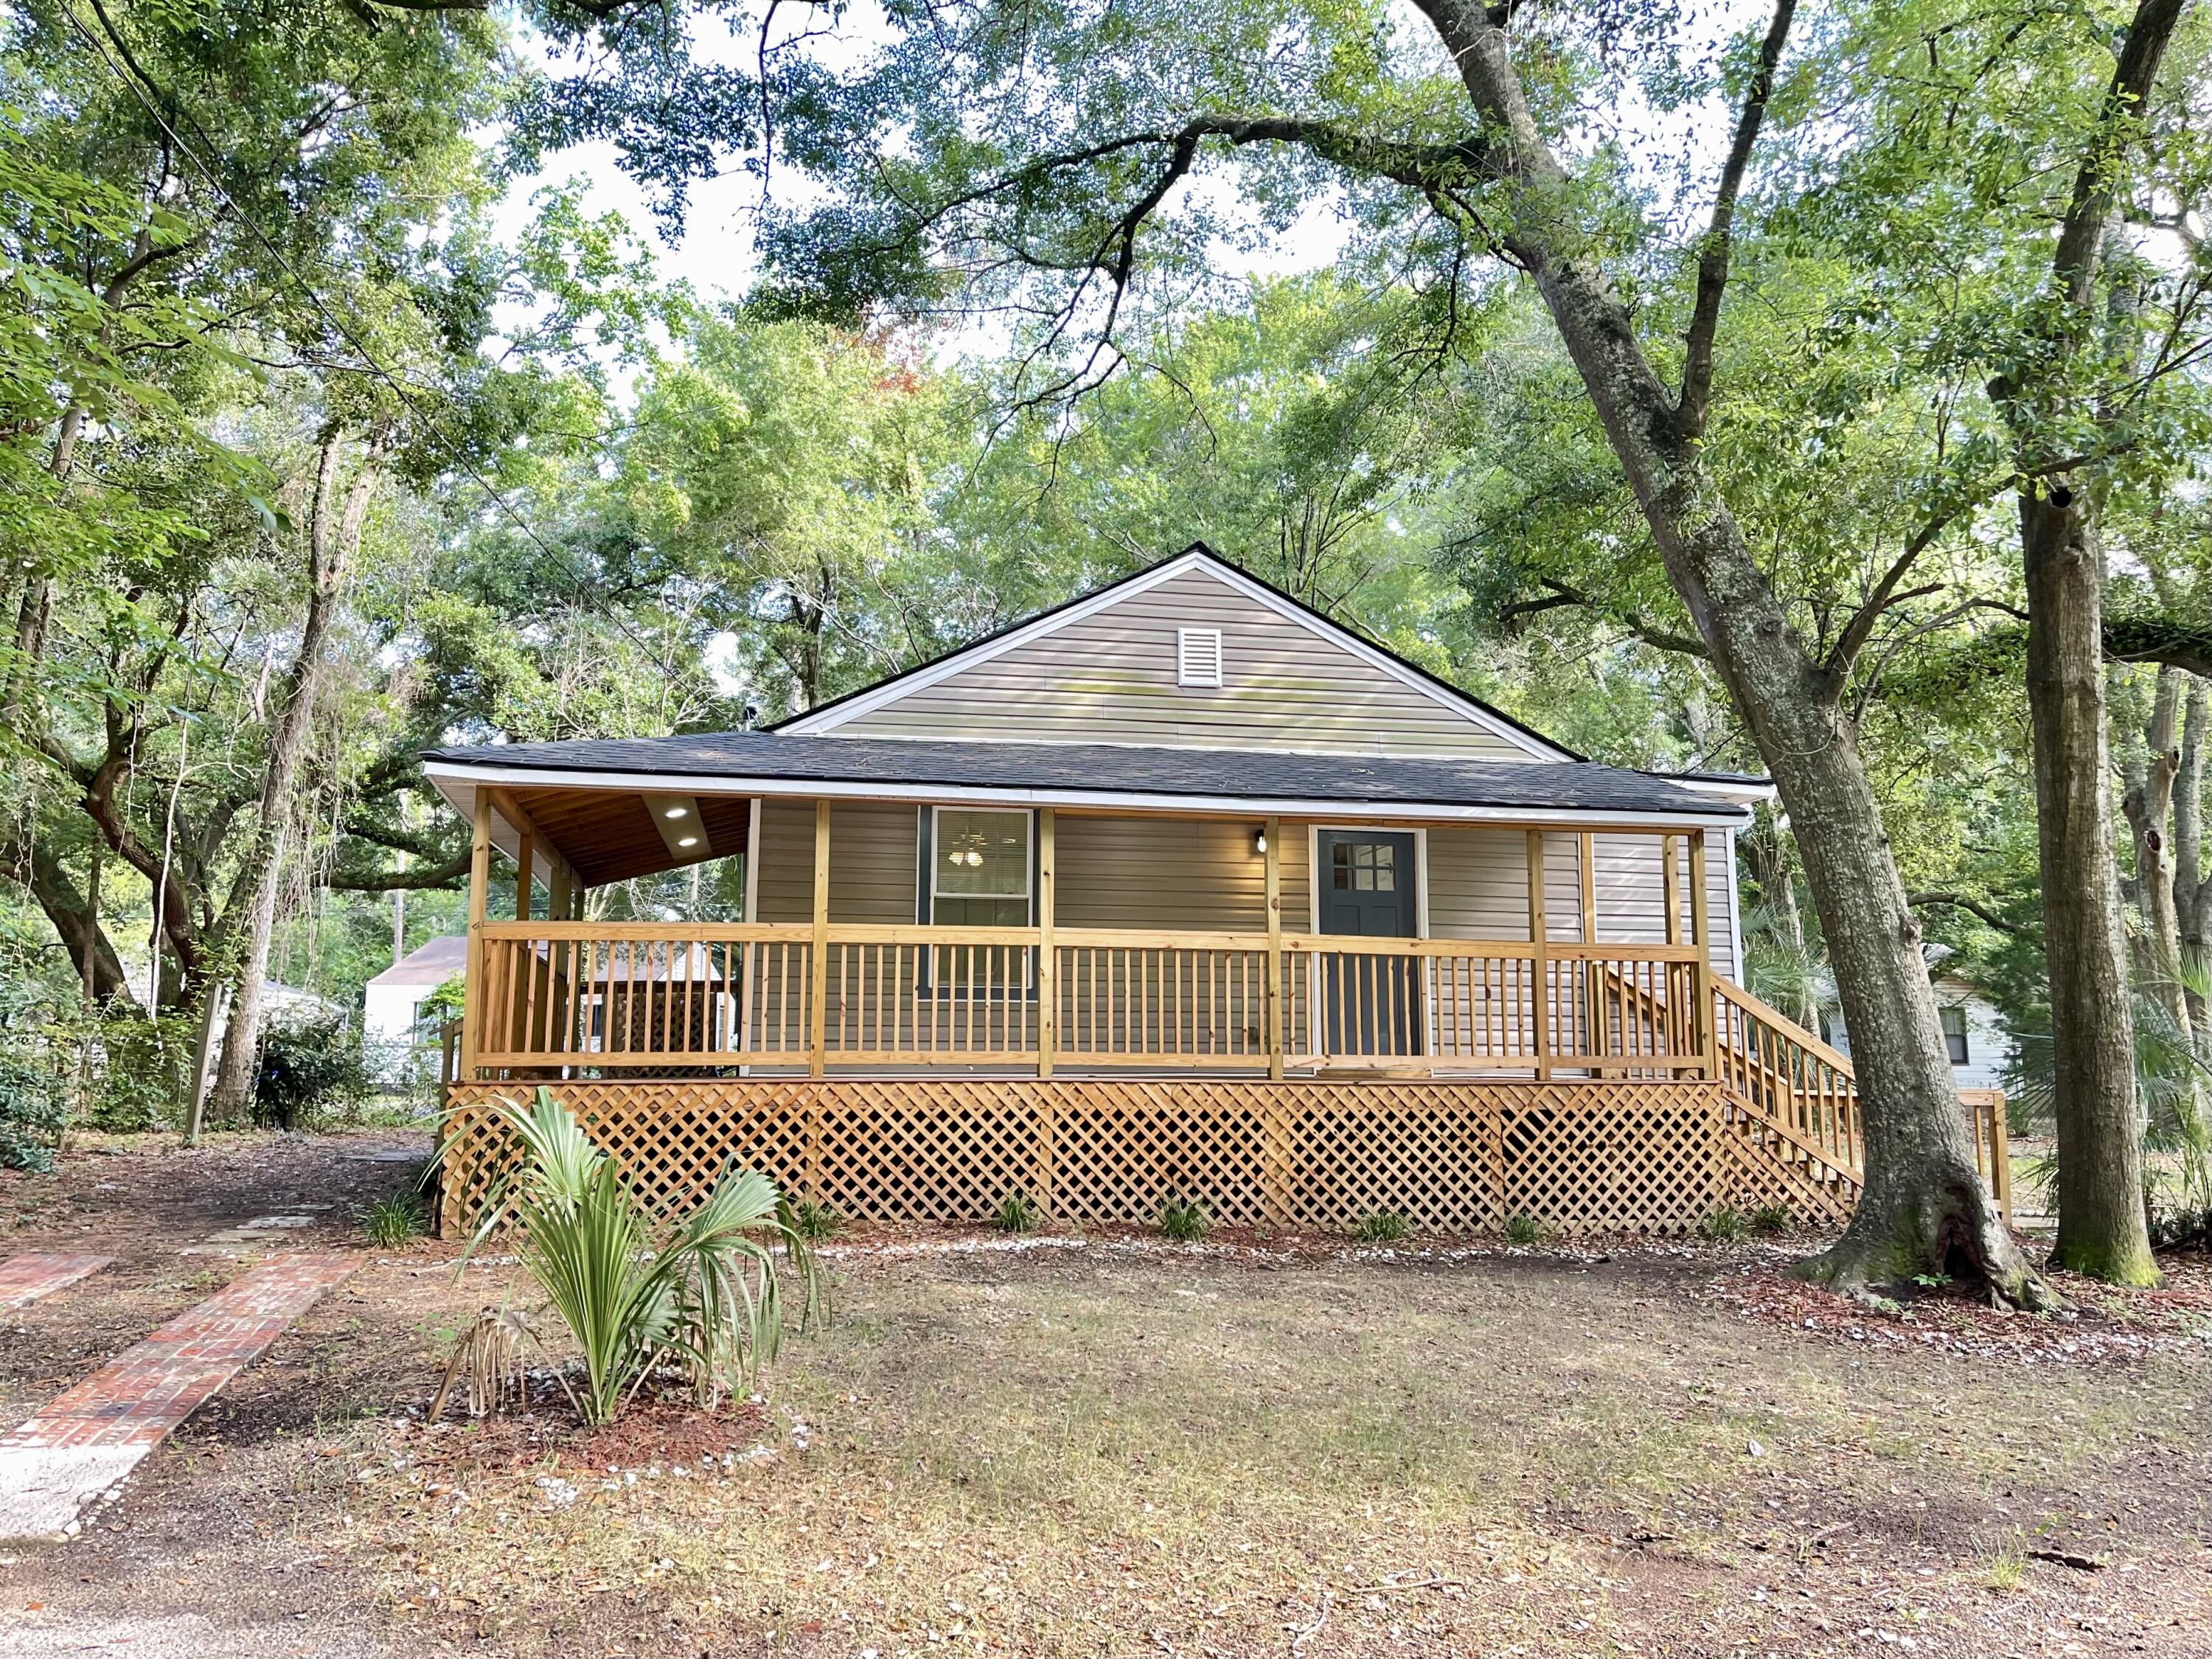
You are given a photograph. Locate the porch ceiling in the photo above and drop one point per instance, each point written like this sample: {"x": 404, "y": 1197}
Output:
{"x": 610, "y": 835}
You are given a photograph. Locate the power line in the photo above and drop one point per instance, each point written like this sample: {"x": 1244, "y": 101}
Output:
{"x": 138, "y": 84}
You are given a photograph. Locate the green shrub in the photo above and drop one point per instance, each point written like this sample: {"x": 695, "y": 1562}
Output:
{"x": 311, "y": 1065}
{"x": 395, "y": 1220}
{"x": 1384, "y": 1227}
{"x": 638, "y": 1289}
{"x": 1722, "y": 1226}
{"x": 33, "y": 1113}
{"x": 1016, "y": 1215}
{"x": 1186, "y": 1221}
{"x": 1773, "y": 1218}
{"x": 811, "y": 1220}
{"x": 1525, "y": 1229}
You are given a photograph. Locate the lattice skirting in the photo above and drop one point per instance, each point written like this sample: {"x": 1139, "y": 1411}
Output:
{"x": 1576, "y": 1157}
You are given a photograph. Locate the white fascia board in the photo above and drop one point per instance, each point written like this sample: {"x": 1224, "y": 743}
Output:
{"x": 1742, "y": 793}
{"x": 460, "y": 794}
{"x": 866, "y": 702}
{"x": 456, "y": 781}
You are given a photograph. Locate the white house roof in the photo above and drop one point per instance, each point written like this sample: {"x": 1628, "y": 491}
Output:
{"x": 431, "y": 963}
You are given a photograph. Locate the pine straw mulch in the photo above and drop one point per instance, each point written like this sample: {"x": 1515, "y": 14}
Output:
{"x": 2099, "y": 1325}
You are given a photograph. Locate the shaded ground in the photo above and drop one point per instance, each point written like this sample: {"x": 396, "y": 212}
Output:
{"x": 1110, "y": 1446}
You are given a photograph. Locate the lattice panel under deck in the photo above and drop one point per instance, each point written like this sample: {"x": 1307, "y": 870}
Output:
{"x": 1624, "y": 1157}
{"x": 1435, "y": 1162}
{"x": 1579, "y": 1156}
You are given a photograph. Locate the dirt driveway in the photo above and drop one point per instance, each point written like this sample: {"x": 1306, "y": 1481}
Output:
{"x": 1106, "y": 1445}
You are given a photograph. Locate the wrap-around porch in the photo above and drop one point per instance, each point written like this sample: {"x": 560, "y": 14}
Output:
{"x": 929, "y": 1006}
{"x": 555, "y": 994}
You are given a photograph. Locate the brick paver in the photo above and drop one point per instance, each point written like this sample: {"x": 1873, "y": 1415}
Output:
{"x": 27, "y": 1277}
{"x": 90, "y": 1436}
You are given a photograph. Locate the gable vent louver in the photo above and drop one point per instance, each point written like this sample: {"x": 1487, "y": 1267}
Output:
{"x": 1198, "y": 656}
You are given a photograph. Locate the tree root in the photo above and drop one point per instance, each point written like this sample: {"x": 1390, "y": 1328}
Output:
{"x": 1945, "y": 1235}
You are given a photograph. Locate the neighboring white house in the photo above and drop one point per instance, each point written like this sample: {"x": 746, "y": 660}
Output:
{"x": 1980, "y": 1046}
{"x": 392, "y": 1003}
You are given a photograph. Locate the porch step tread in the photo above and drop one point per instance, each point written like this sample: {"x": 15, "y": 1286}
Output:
{"x": 92, "y": 1434}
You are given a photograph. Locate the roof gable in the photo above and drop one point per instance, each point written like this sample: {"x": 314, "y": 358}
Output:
{"x": 1114, "y": 666}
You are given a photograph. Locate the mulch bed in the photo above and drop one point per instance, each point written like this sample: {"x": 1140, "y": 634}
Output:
{"x": 2100, "y": 1325}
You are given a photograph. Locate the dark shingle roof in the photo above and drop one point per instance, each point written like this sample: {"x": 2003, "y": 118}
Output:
{"x": 1258, "y": 775}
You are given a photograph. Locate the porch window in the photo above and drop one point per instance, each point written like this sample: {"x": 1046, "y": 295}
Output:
{"x": 1954, "y": 1032}
{"x": 979, "y": 869}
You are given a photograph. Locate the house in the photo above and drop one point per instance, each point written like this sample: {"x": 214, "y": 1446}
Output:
{"x": 392, "y": 1003}
{"x": 1974, "y": 1033}
{"x": 1180, "y": 889}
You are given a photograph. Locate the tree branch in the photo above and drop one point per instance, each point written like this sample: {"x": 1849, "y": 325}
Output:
{"x": 1561, "y": 596}
{"x": 1973, "y": 908}
{"x": 450, "y": 873}
{"x": 1696, "y": 399}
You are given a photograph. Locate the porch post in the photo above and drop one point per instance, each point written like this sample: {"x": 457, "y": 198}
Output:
{"x": 1048, "y": 967}
{"x": 1539, "y": 1012}
{"x": 817, "y": 959}
{"x": 1670, "y": 883}
{"x": 472, "y": 981}
{"x": 1704, "y": 1030}
{"x": 1592, "y": 999}
{"x": 1272, "y": 1011}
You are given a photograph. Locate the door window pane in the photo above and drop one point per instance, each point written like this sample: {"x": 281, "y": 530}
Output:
{"x": 1362, "y": 866}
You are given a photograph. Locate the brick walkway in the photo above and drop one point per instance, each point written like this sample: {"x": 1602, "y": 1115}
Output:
{"x": 27, "y": 1278}
{"x": 91, "y": 1436}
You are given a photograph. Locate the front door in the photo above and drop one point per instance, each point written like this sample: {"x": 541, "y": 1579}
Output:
{"x": 1367, "y": 890}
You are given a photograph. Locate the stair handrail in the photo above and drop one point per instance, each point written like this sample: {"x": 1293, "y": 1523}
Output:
{"x": 1777, "y": 1071}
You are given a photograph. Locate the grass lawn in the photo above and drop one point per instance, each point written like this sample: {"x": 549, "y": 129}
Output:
{"x": 1113, "y": 1446}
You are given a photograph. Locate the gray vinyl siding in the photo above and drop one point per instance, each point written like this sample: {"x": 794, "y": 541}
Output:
{"x": 1204, "y": 874}
{"x": 1169, "y": 875}
{"x": 871, "y": 862}
{"x": 1478, "y": 884}
{"x": 1110, "y": 677}
{"x": 1631, "y": 894}
{"x": 1198, "y": 874}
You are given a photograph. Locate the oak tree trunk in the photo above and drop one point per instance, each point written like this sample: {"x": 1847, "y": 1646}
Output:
{"x": 2148, "y": 804}
{"x": 2102, "y": 1228}
{"x": 2193, "y": 884}
{"x": 1925, "y": 1209}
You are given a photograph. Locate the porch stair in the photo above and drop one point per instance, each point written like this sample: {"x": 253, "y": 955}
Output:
{"x": 1792, "y": 1108}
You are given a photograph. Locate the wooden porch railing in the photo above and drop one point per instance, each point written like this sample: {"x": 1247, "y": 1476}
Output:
{"x": 635, "y": 996}
{"x": 581, "y": 999}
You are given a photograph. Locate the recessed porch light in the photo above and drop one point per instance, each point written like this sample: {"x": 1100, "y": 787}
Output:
{"x": 689, "y": 841}
{"x": 674, "y": 813}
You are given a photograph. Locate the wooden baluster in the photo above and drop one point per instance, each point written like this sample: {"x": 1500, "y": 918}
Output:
{"x": 1048, "y": 958}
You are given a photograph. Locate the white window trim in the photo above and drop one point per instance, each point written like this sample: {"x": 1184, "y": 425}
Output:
{"x": 1186, "y": 670}
{"x": 927, "y": 872}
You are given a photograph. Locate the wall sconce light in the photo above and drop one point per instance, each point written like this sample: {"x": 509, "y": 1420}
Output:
{"x": 1260, "y": 842}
